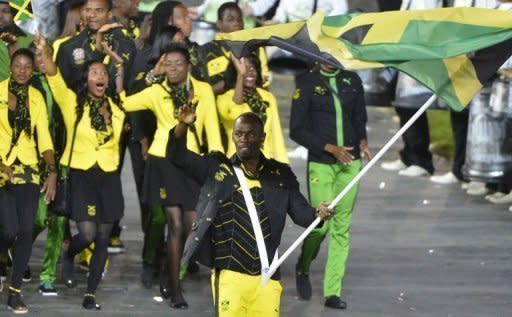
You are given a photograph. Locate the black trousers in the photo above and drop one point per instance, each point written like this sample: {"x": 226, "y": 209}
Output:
{"x": 416, "y": 140}
{"x": 18, "y": 206}
{"x": 459, "y": 122}
{"x": 138, "y": 167}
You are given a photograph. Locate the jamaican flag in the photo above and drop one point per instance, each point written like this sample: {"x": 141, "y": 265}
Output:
{"x": 452, "y": 51}
{"x": 23, "y": 9}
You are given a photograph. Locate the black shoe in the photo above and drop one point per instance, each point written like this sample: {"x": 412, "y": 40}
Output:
{"x": 165, "y": 290}
{"x": 15, "y": 303}
{"x": 303, "y": 285}
{"x": 3, "y": 272}
{"x": 27, "y": 275}
{"x": 178, "y": 305}
{"x": 46, "y": 289}
{"x": 115, "y": 246}
{"x": 335, "y": 302}
{"x": 68, "y": 270}
{"x": 148, "y": 275}
{"x": 90, "y": 302}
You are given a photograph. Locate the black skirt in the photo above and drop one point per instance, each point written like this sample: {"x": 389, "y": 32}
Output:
{"x": 96, "y": 196}
{"x": 166, "y": 184}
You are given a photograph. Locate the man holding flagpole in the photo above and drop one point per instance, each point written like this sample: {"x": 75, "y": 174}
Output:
{"x": 242, "y": 209}
{"x": 329, "y": 119}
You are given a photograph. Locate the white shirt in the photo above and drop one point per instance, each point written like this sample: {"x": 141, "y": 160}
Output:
{"x": 300, "y": 10}
{"x": 421, "y": 4}
{"x": 488, "y": 4}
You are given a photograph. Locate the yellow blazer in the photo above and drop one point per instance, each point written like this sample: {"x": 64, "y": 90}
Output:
{"x": 157, "y": 99}
{"x": 25, "y": 148}
{"x": 274, "y": 146}
{"x": 87, "y": 152}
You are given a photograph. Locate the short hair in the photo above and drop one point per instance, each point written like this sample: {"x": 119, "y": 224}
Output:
{"x": 253, "y": 117}
{"x": 227, "y": 6}
{"x": 110, "y": 4}
{"x": 177, "y": 48}
{"x": 23, "y": 52}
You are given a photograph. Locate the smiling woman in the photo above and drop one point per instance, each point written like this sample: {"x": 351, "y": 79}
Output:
{"x": 23, "y": 133}
{"x": 165, "y": 184}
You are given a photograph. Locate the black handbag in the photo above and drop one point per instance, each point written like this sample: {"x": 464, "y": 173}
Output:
{"x": 61, "y": 204}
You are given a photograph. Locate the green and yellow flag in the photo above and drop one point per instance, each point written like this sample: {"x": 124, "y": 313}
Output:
{"x": 452, "y": 51}
{"x": 23, "y": 9}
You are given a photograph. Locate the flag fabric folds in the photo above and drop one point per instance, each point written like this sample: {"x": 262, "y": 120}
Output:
{"x": 23, "y": 9}
{"x": 452, "y": 51}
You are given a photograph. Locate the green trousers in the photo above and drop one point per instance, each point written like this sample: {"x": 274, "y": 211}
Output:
{"x": 154, "y": 234}
{"x": 325, "y": 182}
{"x": 56, "y": 225}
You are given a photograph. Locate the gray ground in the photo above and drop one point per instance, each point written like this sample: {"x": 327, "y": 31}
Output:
{"x": 418, "y": 249}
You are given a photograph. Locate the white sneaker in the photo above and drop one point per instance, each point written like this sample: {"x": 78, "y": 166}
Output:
{"x": 413, "y": 171}
{"x": 477, "y": 189}
{"x": 396, "y": 165}
{"x": 447, "y": 178}
{"x": 510, "y": 208}
{"x": 493, "y": 196}
{"x": 505, "y": 199}
{"x": 299, "y": 153}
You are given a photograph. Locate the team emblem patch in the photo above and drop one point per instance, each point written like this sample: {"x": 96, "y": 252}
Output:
{"x": 163, "y": 193}
{"x": 347, "y": 81}
{"x": 79, "y": 55}
{"x": 319, "y": 90}
{"x": 91, "y": 210}
{"x": 224, "y": 306}
{"x": 219, "y": 176}
{"x": 296, "y": 94}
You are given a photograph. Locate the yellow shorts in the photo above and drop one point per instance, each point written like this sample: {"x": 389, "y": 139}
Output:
{"x": 241, "y": 295}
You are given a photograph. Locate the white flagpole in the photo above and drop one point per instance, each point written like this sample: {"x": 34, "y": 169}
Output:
{"x": 275, "y": 264}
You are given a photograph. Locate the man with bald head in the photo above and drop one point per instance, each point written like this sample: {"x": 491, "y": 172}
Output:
{"x": 223, "y": 237}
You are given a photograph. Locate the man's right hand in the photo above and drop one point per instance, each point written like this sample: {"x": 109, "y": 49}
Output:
{"x": 342, "y": 154}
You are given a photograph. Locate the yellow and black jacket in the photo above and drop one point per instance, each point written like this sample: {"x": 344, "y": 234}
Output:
{"x": 157, "y": 99}
{"x": 87, "y": 150}
{"x": 274, "y": 146}
{"x": 216, "y": 57}
{"x": 25, "y": 151}
{"x": 25, "y": 148}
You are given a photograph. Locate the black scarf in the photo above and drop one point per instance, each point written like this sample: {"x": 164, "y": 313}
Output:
{"x": 97, "y": 120}
{"x": 257, "y": 105}
{"x": 21, "y": 113}
{"x": 107, "y": 37}
{"x": 179, "y": 96}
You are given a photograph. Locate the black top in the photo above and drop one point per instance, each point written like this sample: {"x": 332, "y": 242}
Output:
{"x": 314, "y": 115}
{"x": 214, "y": 172}
{"x": 74, "y": 52}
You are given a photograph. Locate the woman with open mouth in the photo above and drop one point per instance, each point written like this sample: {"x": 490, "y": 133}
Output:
{"x": 24, "y": 136}
{"x": 94, "y": 122}
{"x": 248, "y": 96}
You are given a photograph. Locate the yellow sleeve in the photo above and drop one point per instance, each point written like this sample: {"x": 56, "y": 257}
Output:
{"x": 211, "y": 121}
{"x": 264, "y": 67}
{"x": 44, "y": 138}
{"x": 65, "y": 97}
{"x": 228, "y": 110}
{"x": 278, "y": 145}
{"x": 142, "y": 100}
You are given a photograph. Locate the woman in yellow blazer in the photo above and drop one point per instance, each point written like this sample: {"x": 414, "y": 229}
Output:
{"x": 164, "y": 183}
{"x": 247, "y": 96}
{"x": 24, "y": 135}
{"x": 94, "y": 123}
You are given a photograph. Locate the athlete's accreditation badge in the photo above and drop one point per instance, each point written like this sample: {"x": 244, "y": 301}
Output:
{"x": 79, "y": 56}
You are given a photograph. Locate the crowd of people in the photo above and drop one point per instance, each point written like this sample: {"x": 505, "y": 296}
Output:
{"x": 205, "y": 142}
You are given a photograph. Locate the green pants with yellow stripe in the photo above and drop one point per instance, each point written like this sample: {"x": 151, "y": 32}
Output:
{"x": 326, "y": 181}
{"x": 56, "y": 226}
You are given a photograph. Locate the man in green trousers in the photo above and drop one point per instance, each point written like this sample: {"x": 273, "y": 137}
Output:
{"x": 329, "y": 118}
